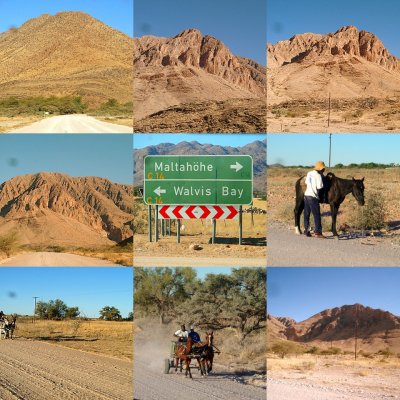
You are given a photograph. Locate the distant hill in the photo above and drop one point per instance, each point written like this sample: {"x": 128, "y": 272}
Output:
{"x": 70, "y": 53}
{"x": 376, "y": 329}
{"x": 58, "y": 209}
{"x": 255, "y": 149}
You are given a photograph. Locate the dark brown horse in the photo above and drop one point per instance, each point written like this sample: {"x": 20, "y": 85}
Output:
{"x": 208, "y": 356}
{"x": 336, "y": 190}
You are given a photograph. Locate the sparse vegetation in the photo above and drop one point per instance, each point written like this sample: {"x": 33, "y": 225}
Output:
{"x": 8, "y": 243}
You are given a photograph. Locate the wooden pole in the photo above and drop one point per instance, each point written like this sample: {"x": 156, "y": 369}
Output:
{"x": 356, "y": 334}
{"x": 214, "y": 230}
{"x": 240, "y": 225}
{"x": 330, "y": 148}
{"x": 156, "y": 224}
{"x": 178, "y": 230}
{"x": 149, "y": 223}
{"x": 329, "y": 109}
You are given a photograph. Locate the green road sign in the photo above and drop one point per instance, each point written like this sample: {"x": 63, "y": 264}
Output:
{"x": 198, "y": 180}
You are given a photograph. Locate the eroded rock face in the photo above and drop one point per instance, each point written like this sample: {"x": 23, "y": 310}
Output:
{"x": 339, "y": 323}
{"x": 95, "y": 202}
{"x": 348, "y": 41}
{"x": 193, "y": 50}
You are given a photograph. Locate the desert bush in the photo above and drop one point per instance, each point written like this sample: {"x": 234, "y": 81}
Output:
{"x": 285, "y": 348}
{"x": 113, "y": 108}
{"x": 8, "y": 243}
{"x": 313, "y": 350}
{"x": 371, "y": 215}
{"x": 386, "y": 352}
{"x": 331, "y": 352}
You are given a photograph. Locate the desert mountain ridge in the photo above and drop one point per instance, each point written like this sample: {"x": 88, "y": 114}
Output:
{"x": 68, "y": 210}
{"x": 338, "y": 324}
{"x": 348, "y": 63}
{"x": 256, "y": 149}
{"x": 189, "y": 68}
{"x": 69, "y": 53}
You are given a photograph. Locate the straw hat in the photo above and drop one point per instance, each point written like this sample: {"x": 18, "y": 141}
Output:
{"x": 319, "y": 166}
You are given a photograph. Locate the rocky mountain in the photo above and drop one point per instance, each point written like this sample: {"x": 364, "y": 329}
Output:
{"x": 347, "y": 63}
{"x": 255, "y": 149}
{"x": 53, "y": 208}
{"x": 374, "y": 326}
{"x": 70, "y": 53}
{"x": 190, "y": 68}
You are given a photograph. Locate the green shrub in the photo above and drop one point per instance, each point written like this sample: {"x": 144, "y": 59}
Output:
{"x": 8, "y": 243}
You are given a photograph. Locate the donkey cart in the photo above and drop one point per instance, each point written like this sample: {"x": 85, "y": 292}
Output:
{"x": 171, "y": 362}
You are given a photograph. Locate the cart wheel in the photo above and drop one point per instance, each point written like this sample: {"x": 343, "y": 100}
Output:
{"x": 167, "y": 366}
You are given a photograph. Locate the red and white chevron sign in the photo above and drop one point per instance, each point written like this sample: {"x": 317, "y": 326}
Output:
{"x": 198, "y": 212}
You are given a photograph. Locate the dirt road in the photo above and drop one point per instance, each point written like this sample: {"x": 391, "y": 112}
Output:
{"x": 151, "y": 384}
{"x": 148, "y": 261}
{"x": 41, "y": 371}
{"x": 48, "y": 259}
{"x": 282, "y": 389}
{"x": 76, "y": 123}
{"x": 285, "y": 248}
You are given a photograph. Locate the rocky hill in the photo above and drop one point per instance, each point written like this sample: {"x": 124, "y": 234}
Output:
{"x": 190, "y": 68}
{"x": 70, "y": 53}
{"x": 375, "y": 327}
{"x": 255, "y": 149}
{"x": 348, "y": 63}
{"x": 53, "y": 208}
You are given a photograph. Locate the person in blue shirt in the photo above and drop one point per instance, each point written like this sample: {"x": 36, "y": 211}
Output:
{"x": 194, "y": 335}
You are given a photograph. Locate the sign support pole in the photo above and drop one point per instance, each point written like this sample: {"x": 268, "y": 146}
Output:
{"x": 149, "y": 223}
{"x": 178, "y": 230}
{"x": 214, "y": 230}
{"x": 240, "y": 225}
{"x": 156, "y": 224}
{"x": 169, "y": 227}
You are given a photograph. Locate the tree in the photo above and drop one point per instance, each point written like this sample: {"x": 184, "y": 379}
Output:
{"x": 110, "y": 314}
{"x": 159, "y": 291}
{"x": 234, "y": 301}
{"x": 8, "y": 243}
{"x": 55, "y": 309}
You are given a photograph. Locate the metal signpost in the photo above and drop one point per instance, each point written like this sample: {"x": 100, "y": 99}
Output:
{"x": 197, "y": 187}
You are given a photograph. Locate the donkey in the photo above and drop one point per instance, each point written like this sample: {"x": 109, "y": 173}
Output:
{"x": 10, "y": 327}
{"x": 336, "y": 191}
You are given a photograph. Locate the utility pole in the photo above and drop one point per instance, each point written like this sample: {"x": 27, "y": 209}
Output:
{"x": 356, "y": 334}
{"x": 34, "y": 311}
{"x": 329, "y": 109}
{"x": 330, "y": 148}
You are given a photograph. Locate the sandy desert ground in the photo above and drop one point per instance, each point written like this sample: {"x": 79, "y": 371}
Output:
{"x": 309, "y": 377}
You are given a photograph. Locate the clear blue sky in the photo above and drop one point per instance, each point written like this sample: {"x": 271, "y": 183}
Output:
{"x": 241, "y": 25}
{"x": 306, "y": 149}
{"x": 116, "y": 13}
{"x": 300, "y": 293}
{"x": 143, "y": 140}
{"x": 106, "y": 156}
{"x": 203, "y": 271}
{"x": 286, "y": 18}
{"x": 90, "y": 289}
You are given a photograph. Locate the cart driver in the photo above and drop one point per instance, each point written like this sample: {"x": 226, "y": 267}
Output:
{"x": 1, "y": 316}
{"x": 182, "y": 334}
{"x": 194, "y": 335}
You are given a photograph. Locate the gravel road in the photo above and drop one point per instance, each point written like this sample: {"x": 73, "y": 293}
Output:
{"x": 152, "y": 384}
{"x": 148, "y": 261}
{"x": 76, "y": 123}
{"x": 41, "y": 371}
{"x": 290, "y": 389}
{"x": 285, "y": 248}
{"x": 48, "y": 259}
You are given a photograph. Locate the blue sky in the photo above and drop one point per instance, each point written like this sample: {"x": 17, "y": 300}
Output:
{"x": 144, "y": 140}
{"x": 286, "y": 18}
{"x": 90, "y": 289}
{"x": 306, "y": 149}
{"x": 241, "y": 25}
{"x": 300, "y": 293}
{"x": 116, "y": 13}
{"x": 106, "y": 156}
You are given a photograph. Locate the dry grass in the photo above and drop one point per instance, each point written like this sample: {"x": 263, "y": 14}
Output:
{"x": 103, "y": 337}
{"x": 122, "y": 257}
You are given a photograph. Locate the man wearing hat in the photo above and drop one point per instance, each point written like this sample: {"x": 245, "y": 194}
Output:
{"x": 194, "y": 335}
{"x": 314, "y": 182}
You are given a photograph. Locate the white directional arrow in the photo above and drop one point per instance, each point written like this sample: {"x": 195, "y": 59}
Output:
{"x": 237, "y": 166}
{"x": 158, "y": 191}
